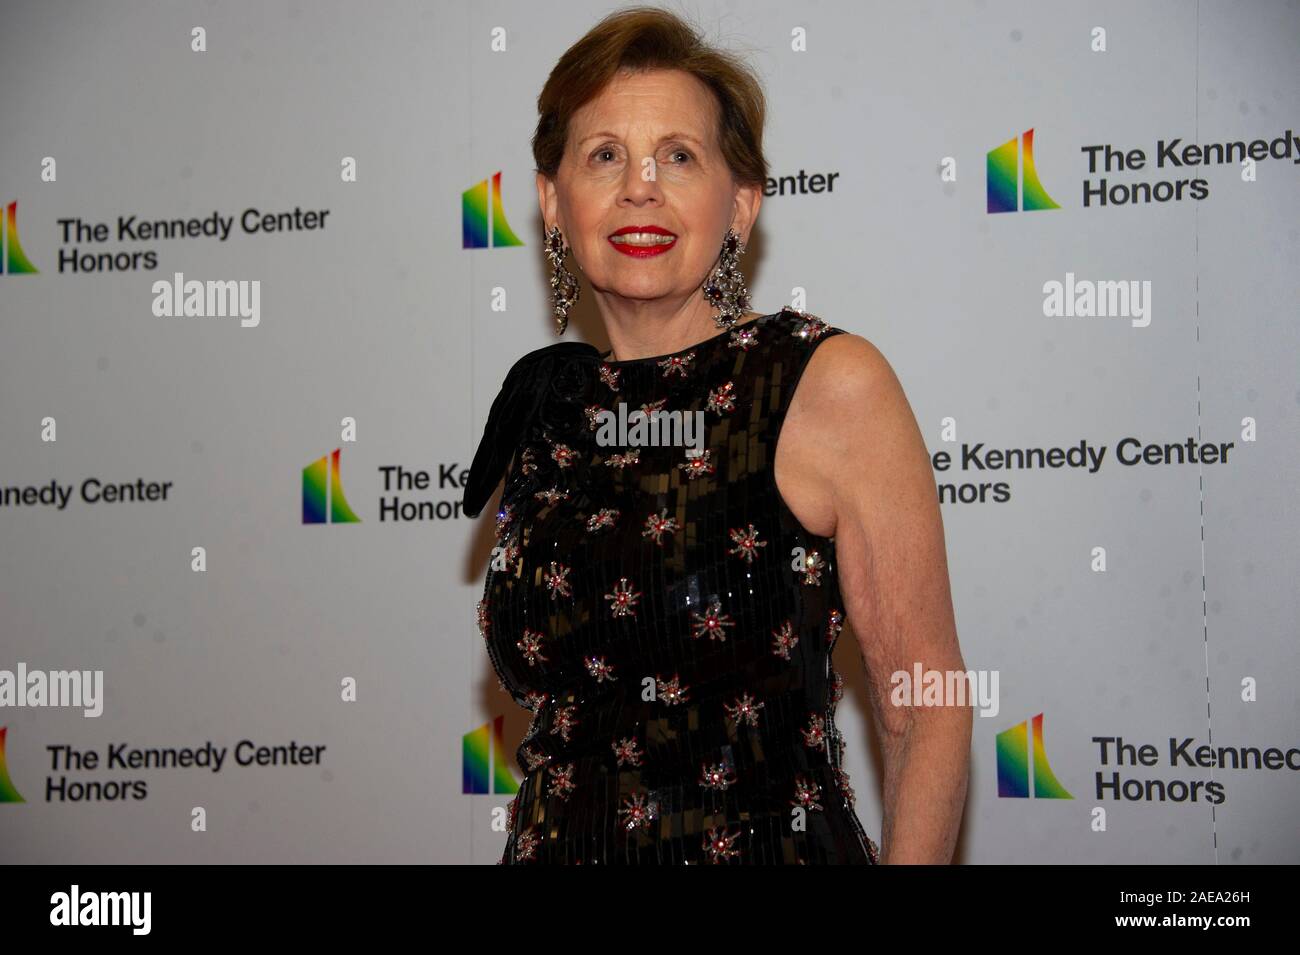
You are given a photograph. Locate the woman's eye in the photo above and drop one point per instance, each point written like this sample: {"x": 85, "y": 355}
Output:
{"x": 681, "y": 152}
{"x": 601, "y": 152}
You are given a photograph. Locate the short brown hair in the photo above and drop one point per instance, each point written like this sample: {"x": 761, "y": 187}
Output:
{"x": 645, "y": 38}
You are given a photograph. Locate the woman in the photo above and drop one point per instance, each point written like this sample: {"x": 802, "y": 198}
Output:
{"x": 666, "y": 590}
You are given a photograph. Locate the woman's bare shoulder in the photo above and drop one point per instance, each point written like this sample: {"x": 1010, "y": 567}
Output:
{"x": 846, "y": 377}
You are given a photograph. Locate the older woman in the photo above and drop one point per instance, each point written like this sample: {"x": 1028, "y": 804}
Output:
{"x": 689, "y": 519}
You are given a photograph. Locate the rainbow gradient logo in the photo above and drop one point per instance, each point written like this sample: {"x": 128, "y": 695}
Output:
{"x": 322, "y": 493}
{"x": 1013, "y": 184}
{"x": 8, "y": 792}
{"x": 13, "y": 260}
{"x": 484, "y": 768}
{"x": 1017, "y": 752}
{"x": 483, "y": 218}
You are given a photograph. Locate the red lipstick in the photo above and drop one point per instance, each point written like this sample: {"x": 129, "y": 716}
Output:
{"x": 641, "y": 251}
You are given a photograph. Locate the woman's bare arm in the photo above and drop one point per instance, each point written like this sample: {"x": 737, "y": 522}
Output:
{"x": 856, "y": 461}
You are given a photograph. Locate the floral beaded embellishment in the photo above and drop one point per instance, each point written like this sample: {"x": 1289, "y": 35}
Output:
{"x": 551, "y": 496}
{"x": 530, "y": 644}
{"x": 837, "y": 686}
{"x": 747, "y": 543}
{"x": 744, "y": 338}
{"x": 601, "y": 670}
{"x": 557, "y": 580}
{"x": 722, "y": 399}
{"x": 605, "y": 517}
{"x": 784, "y": 640}
{"x": 593, "y": 413}
{"x": 677, "y": 363}
{"x": 504, "y": 517}
{"x": 565, "y": 721}
{"x": 610, "y": 376}
{"x": 562, "y": 781}
{"x": 720, "y": 844}
{"x": 533, "y": 759}
{"x": 526, "y": 845}
{"x": 625, "y": 752}
{"x": 697, "y": 465}
{"x": 621, "y": 461}
{"x": 656, "y": 525}
{"x": 712, "y": 622}
{"x": 814, "y": 737}
{"x": 717, "y": 776}
{"x": 807, "y": 794}
{"x": 484, "y": 618}
{"x": 623, "y": 599}
{"x": 811, "y": 566}
{"x": 650, "y": 407}
{"x": 873, "y": 851}
{"x": 563, "y": 455}
{"x": 810, "y": 328}
{"x": 743, "y": 710}
{"x": 842, "y": 784}
{"x": 637, "y": 812}
{"x": 670, "y": 691}
{"x": 526, "y": 463}
{"x": 834, "y": 624}
{"x": 510, "y": 554}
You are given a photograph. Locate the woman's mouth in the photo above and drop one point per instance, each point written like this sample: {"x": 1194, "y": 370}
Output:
{"x": 641, "y": 243}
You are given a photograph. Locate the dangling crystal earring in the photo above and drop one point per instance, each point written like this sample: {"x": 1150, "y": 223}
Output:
{"x": 725, "y": 287}
{"x": 564, "y": 284}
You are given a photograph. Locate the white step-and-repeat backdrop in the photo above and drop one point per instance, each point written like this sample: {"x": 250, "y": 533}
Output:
{"x": 1071, "y": 227}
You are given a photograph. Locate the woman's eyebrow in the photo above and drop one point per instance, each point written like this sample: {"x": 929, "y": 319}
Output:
{"x": 666, "y": 136}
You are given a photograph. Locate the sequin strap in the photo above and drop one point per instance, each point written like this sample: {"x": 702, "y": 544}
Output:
{"x": 799, "y": 335}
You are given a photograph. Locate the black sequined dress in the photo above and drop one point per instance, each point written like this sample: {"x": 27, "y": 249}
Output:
{"x": 663, "y": 614}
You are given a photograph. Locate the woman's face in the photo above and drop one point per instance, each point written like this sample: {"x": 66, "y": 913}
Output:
{"x": 645, "y": 153}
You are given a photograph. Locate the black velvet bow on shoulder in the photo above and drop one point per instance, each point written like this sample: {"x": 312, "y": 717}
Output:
{"x": 542, "y": 387}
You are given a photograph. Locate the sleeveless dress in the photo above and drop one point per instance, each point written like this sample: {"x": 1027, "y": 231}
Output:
{"x": 662, "y": 613}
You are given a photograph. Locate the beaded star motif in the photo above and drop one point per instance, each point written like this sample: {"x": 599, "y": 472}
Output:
{"x": 565, "y": 721}
{"x": 637, "y": 812}
{"x": 807, "y": 794}
{"x": 834, "y": 624}
{"x": 562, "y": 780}
{"x": 623, "y": 599}
{"x": 784, "y": 640}
{"x": 552, "y": 495}
{"x": 712, "y": 622}
{"x": 601, "y": 670}
{"x": 814, "y": 736}
{"x": 557, "y": 580}
{"x": 656, "y": 525}
{"x": 671, "y": 692}
{"x": 621, "y": 461}
{"x": 747, "y": 543}
{"x": 605, "y": 517}
{"x": 744, "y": 338}
{"x": 526, "y": 845}
{"x": 812, "y": 565}
{"x": 720, "y": 844}
{"x": 626, "y": 752}
{"x": 531, "y": 646}
{"x": 563, "y": 455}
{"x": 677, "y": 363}
{"x": 722, "y": 399}
{"x": 717, "y": 776}
{"x": 697, "y": 465}
{"x": 743, "y": 710}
